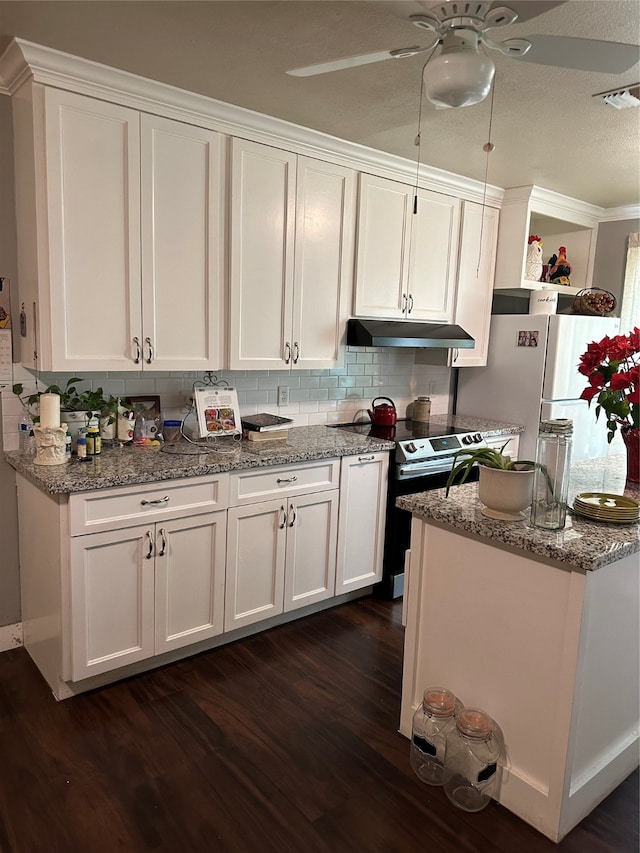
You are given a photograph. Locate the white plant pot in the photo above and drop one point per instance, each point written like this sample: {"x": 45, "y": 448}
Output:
{"x": 505, "y": 493}
{"x": 75, "y": 421}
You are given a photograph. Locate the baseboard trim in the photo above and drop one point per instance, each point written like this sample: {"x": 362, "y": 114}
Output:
{"x": 10, "y": 636}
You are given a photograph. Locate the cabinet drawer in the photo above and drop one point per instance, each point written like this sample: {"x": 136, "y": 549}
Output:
{"x": 124, "y": 506}
{"x": 247, "y": 487}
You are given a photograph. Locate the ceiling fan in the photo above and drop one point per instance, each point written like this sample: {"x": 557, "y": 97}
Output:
{"x": 461, "y": 74}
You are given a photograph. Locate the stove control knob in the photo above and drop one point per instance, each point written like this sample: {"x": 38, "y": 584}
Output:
{"x": 410, "y": 448}
{"x": 467, "y": 439}
{"x": 477, "y": 438}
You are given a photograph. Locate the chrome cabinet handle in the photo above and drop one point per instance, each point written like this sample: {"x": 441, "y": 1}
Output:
{"x": 283, "y": 523}
{"x": 163, "y": 500}
{"x": 456, "y": 353}
{"x": 410, "y": 304}
{"x": 150, "y": 357}
{"x": 291, "y": 479}
{"x": 287, "y": 352}
{"x": 138, "y": 357}
{"x": 149, "y": 553}
{"x": 296, "y": 352}
{"x": 294, "y": 515}
{"x": 366, "y": 458}
{"x": 404, "y": 303}
{"x": 163, "y": 542}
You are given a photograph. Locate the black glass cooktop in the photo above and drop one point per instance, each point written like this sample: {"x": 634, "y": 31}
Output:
{"x": 404, "y": 430}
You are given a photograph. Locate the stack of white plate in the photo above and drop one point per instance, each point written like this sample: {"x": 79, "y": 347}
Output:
{"x": 601, "y": 506}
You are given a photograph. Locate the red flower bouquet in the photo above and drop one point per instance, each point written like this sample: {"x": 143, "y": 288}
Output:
{"x": 613, "y": 369}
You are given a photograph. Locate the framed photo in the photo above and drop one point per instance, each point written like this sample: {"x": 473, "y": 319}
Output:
{"x": 148, "y": 405}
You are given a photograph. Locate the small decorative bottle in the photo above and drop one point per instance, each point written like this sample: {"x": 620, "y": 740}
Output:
{"x": 432, "y": 721}
{"x": 551, "y": 480}
{"x": 81, "y": 449}
{"x": 474, "y": 746}
{"x": 94, "y": 442}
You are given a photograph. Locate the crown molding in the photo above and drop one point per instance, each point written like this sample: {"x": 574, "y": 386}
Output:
{"x": 615, "y": 214}
{"x": 24, "y": 60}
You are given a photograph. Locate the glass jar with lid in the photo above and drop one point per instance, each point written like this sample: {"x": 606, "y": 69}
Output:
{"x": 471, "y": 770}
{"x": 551, "y": 479}
{"x": 432, "y": 721}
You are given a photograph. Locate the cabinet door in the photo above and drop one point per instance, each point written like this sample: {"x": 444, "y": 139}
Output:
{"x": 189, "y": 595}
{"x": 475, "y": 281}
{"x": 363, "y": 502}
{"x": 93, "y": 196}
{"x": 312, "y": 525}
{"x": 382, "y": 250}
{"x": 434, "y": 255}
{"x": 323, "y": 273}
{"x": 262, "y": 225}
{"x": 256, "y": 537}
{"x": 112, "y": 600}
{"x": 182, "y": 246}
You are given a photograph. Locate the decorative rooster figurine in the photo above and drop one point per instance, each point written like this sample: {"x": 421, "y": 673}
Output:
{"x": 533, "y": 268}
{"x": 559, "y": 267}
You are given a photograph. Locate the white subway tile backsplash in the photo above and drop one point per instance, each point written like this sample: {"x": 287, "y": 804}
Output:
{"x": 316, "y": 396}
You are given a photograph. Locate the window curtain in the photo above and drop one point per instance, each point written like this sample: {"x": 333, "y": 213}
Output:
{"x": 630, "y": 310}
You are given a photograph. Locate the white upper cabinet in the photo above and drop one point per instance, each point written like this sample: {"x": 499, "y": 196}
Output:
{"x": 125, "y": 211}
{"x": 406, "y": 260}
{"x": 182, "y": 246}
{"x": 291, "y": 254}
{"x": 478, "y": 242}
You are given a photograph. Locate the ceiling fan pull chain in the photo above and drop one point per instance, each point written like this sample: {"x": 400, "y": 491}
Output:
{"x": 488, "y": 147}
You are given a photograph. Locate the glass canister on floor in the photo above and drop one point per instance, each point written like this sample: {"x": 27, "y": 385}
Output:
{"x": 471, "y": 770}
{"x": 551, "y": 480}
{"x": 432, "y": 722}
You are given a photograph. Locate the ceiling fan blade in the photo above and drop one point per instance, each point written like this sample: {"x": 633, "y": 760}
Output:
{"x": 607, "y": 57}
{"x": 528, "y": 9}
{"x": 353, "y": 61}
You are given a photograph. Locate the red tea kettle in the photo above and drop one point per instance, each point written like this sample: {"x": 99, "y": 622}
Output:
{"x": 384, "y": 414}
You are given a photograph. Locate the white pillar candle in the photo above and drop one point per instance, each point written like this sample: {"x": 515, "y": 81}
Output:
{"x": 50, "y": 410}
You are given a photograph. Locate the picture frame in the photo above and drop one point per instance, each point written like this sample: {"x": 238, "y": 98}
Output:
{"x": 148, "y": 404}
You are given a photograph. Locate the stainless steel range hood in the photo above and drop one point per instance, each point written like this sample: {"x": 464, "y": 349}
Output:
{"x": 405, "y": 333}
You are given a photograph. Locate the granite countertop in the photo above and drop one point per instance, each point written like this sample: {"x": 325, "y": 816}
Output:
{"x": 126, "y": 465}
{"x": 582, "y": 544}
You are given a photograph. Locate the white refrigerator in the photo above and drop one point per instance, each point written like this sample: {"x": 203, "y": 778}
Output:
{"x": 532, "y": 374}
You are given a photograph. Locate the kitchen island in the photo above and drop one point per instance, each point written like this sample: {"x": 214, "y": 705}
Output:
{"x": 540, "y": 630}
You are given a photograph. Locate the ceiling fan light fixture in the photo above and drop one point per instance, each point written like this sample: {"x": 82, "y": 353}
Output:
{"x": 460, "y": 76}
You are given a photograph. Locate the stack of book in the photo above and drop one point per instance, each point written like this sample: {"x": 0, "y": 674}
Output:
{"x": 265, "y": 427}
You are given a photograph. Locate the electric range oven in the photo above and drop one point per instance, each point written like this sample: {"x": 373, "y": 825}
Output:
{"x": 421, "y": 461}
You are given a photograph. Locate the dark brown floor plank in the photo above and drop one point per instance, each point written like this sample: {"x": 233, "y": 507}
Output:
{"x": 285, "y": 741}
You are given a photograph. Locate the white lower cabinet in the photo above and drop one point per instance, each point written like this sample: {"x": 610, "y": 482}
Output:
{"x": 363, "y": 503}
{"x": 121, "y": 579}
{"x": 281, "y": 556}
{"x": 145, "y": 590}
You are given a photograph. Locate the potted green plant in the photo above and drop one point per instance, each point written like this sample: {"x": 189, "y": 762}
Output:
{"x": 505, "y": 485}
{"x": 76, "y": 407}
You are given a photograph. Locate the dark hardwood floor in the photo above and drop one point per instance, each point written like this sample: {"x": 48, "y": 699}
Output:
{"x": 286, "y": 741}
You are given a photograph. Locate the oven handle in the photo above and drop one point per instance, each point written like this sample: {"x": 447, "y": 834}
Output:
{"x": 421, "y": 469}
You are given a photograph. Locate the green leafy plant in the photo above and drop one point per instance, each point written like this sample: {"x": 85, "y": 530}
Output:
{"x": 72, "y": 400}
{"x": 490, "y": 457}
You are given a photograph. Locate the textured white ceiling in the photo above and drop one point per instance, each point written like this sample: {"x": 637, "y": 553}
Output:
{"x": 547, "y": 128}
